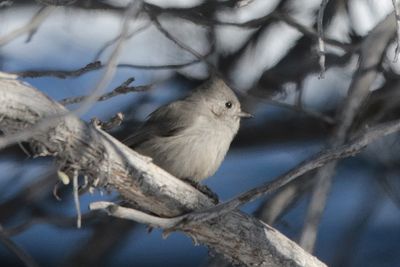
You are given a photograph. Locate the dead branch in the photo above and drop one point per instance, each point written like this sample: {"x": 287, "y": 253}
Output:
{"x": 30, "y": 27}
{"x": 14, "y": 248}
{"x": 372, "y": 50}
{"x": 62, "y": 74}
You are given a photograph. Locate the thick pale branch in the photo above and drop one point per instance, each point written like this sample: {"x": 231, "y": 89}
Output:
{"x": 78, "y": 146}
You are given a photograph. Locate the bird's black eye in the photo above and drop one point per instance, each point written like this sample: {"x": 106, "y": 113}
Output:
{"x": 228, "y": 104}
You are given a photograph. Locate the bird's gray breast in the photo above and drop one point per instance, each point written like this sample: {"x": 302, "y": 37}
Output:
{"x": 195, "y": 153}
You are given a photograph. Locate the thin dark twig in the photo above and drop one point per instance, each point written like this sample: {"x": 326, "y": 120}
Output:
{"x": 14, "y": 248}
{"x": 159, "y": 67}
{"x": 115, "y": 121}
{"x": 397, "y": 15}
{"x": 62, "y": 74}
{"x": 372, "y": 48}
{"x": 180, "y": 44}
{"x": 298, "y": 108}
{"x": 174, "y": 40}
{"x": 110, "y": 68}
{"x": 57, "y": 220}
{"x": 112, "y": 41}
{"x": 307, "y": 31}
{"x": 124, "y": 88}
{"x": 387, "y": 184}
{"x": 321, "y": 43}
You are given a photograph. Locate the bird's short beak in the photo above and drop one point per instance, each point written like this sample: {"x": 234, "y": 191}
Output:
{"x": 243, "y": 114}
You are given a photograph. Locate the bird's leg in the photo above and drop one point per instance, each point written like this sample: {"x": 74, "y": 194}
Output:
{"x": 204, "y": 189}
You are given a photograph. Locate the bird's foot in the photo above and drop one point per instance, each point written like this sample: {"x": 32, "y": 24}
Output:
{"x": 204, "y": 189}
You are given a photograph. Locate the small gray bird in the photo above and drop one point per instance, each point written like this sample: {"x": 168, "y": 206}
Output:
{"x": 189, "y": 138}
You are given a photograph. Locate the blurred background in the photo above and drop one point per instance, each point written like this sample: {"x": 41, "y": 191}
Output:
{"x": 268, "y": 53}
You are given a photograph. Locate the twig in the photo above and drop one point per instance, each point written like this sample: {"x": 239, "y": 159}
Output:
{"x": 14, "y": 248}
{"x": 62, "y": 74}
{"x": 389, "y": 187}
{"x": 87, "y": 102}
{"x": 180, "y": 44}
{"x": 135, "y": 215}
{"x": 57, "y": 220}
{"x": 307, "y": 31}
{"x": 124, "y": 88}
{"x": 111, "y": 64}
{"x": 57, "y": 2}
{"x": 160, "y": 67}
{"x": 33, "y": 31}
{"x": 309, "y": 112}
{"x": 112, "y": 123}
{"x": 112, "y": 41}
{"x": 31, "y": 26}
{"x": 243, "y": 3}
{"x": 359, "y": 223}
{"x": 372, "y": 49}
{"x": 397, "y": 15}
{"x": 321, "y": 43}
{"x": 96, "y": 65}
{"x": 76, "y": 199}
{"x": 106, "y": 235}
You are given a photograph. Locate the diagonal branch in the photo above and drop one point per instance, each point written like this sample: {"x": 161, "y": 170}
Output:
{"x": 318, "y": 161}
{"x": 14, "y": 248}
{"x": 30, "y": 28}
{"x": 372, "y": 50}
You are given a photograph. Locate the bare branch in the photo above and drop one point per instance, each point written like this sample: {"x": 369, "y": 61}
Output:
{"x": 87, "y": 102}
{"x": 113, "y": 122}
{"x": 30, "y": 27}
{"x": 57, "y": 2}
{"x": 62, "y": 74}
{"x": 14, "y": 248}
{"x": 397, "y": 15}
{"x": 298, "y": 108}
{"x": 372, "y": 50}
{"x": 160, "y": 67}
{"x": 180, "y": 44}
{"x": 134, "y": 215}
{"x": 112, "y": 41}
{"x": 124, "y": 88}
{"x": 111, "y": 65}
{"x": 76, "y": 199}
{"x": 321, "y": 43}
{"x": 243, "y": 3}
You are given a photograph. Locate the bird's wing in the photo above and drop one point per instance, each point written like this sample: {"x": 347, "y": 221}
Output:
{"x": 165, "y": 121}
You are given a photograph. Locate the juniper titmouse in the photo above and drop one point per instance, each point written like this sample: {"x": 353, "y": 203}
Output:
{"x": 190, "y": 137}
